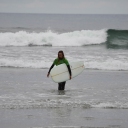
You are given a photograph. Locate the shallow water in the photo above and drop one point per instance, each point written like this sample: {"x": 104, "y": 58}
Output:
{"x": 64, "y": 118}
{"x": 30, "y": 88}
{"x": 93, "y": 99}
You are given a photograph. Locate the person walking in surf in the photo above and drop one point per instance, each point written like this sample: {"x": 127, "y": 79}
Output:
{"x": 61, "y": 60}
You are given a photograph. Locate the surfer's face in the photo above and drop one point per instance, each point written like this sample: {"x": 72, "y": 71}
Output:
{"x": 60, "y": 56}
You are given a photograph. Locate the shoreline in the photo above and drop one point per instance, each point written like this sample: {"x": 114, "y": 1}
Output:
{"x": 86, "y": 69}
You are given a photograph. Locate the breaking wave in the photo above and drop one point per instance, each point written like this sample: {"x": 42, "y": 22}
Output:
{"x": 49, "y": 38}
{"x": 112, "y": 38}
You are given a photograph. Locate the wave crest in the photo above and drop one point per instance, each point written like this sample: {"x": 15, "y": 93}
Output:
{"x": 49, "y": 38}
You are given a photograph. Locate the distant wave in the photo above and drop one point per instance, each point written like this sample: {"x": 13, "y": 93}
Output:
{"x": 117, "y": 39}
{"x": 13, "y": 29}
{"x": 111, "y": 38}
{"x": 49, "y": 38}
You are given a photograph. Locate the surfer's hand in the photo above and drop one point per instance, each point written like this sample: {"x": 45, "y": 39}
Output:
{"x": 48, "y": 75}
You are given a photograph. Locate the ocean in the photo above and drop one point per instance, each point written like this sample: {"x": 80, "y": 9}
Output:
{"x": 32, "y": 40}
{"x": 29, "y": 43}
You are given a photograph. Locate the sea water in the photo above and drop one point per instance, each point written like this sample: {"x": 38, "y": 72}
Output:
{"x": 29, "y": 43}
{"x": 33, "y": 40}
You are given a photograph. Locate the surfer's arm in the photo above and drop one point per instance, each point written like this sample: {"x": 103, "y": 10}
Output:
{"x": 50, "y": 69}
{"x": 69, "y": 70}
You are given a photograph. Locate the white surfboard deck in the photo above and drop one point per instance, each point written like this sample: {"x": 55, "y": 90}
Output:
{"x": 60, "y": 73}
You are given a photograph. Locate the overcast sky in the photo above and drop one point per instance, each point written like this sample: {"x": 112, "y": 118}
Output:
{"x": 65, "y": 6}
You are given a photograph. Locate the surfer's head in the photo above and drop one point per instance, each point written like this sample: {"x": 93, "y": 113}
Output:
{"x": 61, "y": 54}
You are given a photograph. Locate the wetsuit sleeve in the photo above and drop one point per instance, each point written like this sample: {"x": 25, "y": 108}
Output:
{"x": 51, "y": 68}
{"x": 69, "y": 69}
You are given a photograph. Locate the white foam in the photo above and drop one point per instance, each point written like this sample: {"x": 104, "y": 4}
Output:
{"x": 108, "y": 64}
{"x": 21, "y": 63}
{"x": 92, "y": 64}
{"x": 110, "y": 105}
{"x": 13, "y": 101}
{"x": 76, "y": 38}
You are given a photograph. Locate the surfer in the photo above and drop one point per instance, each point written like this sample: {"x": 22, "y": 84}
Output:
{"x": 61, "y": 60}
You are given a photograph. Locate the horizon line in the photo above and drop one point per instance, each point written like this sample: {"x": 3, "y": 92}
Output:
{"x": 67, "y": 13}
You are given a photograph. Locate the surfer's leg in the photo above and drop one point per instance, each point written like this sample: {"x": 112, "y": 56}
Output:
{"x": 59, "y": 86}
{"x": 63, "y": 85}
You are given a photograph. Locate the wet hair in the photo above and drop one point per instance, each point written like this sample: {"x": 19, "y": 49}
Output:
{"x": 58, "y": 55}
{"x": 62, "y": 54}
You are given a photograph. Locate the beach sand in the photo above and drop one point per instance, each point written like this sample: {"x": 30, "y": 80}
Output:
{"x": 94, "y": 99}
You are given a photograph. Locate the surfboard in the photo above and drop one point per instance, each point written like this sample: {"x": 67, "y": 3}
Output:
{"x": 60, "y": 73}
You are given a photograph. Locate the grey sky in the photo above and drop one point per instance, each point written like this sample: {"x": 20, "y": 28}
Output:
{"x": 65, "y": 6}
